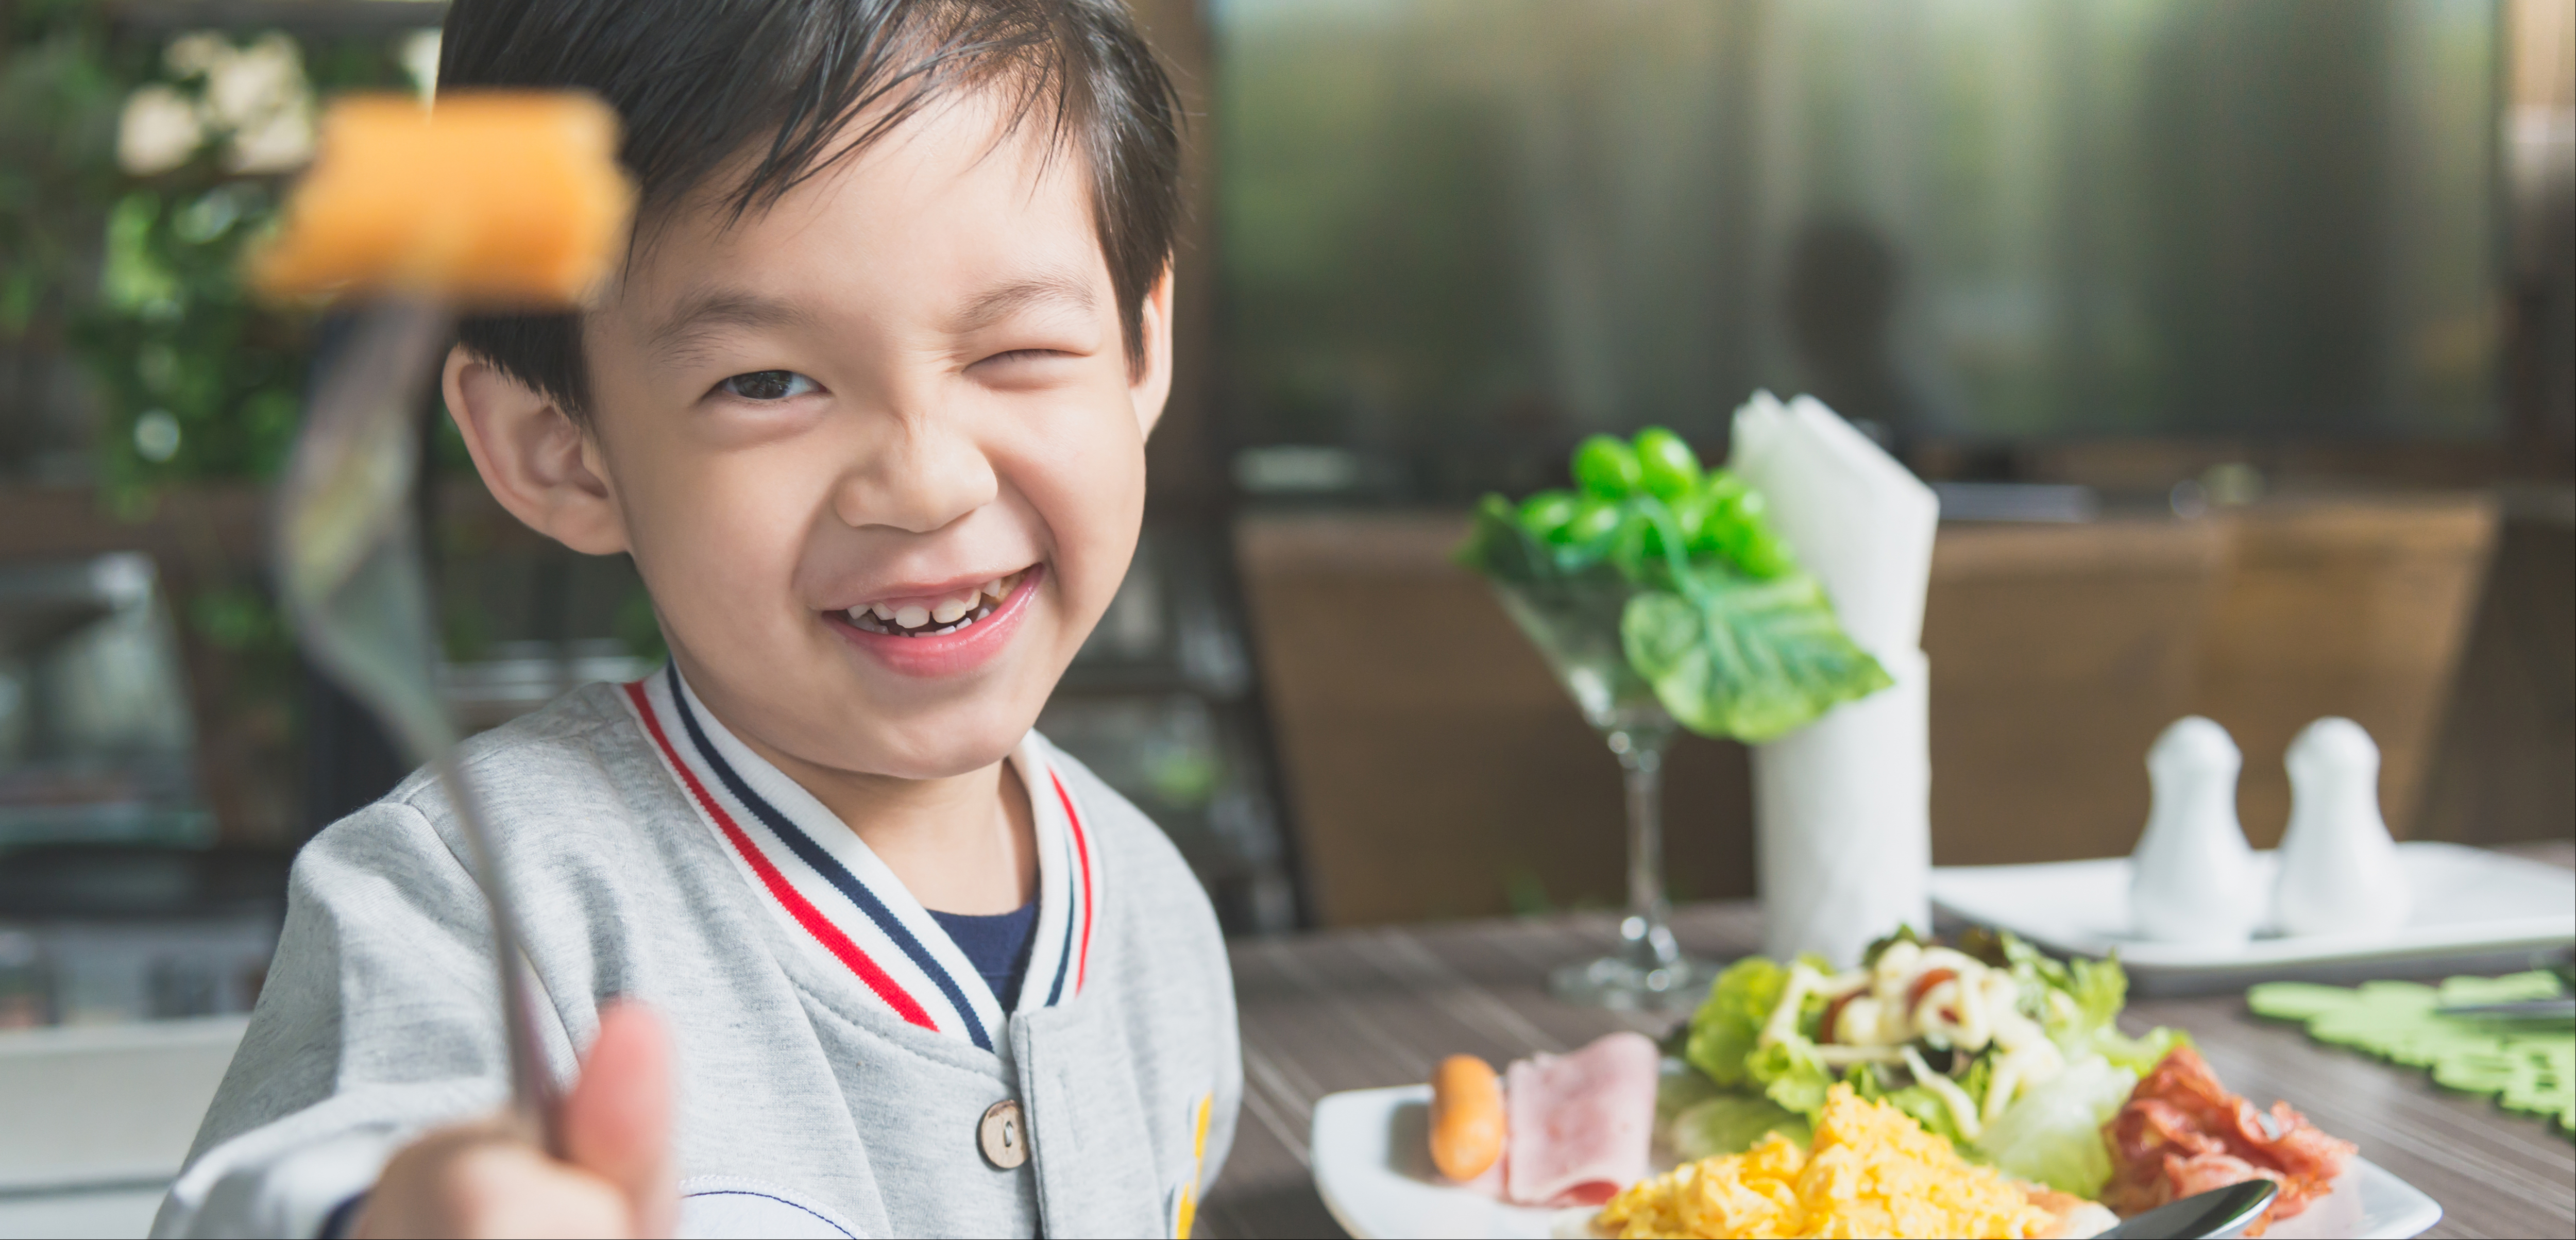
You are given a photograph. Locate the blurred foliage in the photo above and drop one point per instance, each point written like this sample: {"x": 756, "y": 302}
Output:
{"x": 60, "y": 91}
{"x": 195, "y": 378}
{"x": 134, "y": 275}
{"x": 127, "y": 267}
{"x": 175, "y": 345}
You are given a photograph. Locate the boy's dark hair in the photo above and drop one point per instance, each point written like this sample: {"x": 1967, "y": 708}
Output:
{"x": 707, "y": 86}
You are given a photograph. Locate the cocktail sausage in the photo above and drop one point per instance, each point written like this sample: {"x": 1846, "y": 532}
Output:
{"x": 1466, "y": 1117}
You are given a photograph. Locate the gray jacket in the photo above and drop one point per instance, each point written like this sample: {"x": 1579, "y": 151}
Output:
{"x": 812, "y": 1097}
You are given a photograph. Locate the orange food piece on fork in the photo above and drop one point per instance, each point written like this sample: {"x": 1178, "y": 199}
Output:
{"x": 490, "y": 199}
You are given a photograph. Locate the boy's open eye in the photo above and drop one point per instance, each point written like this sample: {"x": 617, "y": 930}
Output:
{"x": 767, "y": 385}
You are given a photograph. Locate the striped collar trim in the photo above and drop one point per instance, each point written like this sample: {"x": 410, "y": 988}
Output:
{"x": 839, "y": 899}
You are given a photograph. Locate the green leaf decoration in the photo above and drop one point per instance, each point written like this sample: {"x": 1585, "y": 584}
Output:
{"x": 1749, "y": 659}
{"x": 2525, "y": 1068}
{"x": 1682, "y": 575}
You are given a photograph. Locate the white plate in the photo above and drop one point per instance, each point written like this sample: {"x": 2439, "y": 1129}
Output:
{"x": 2468, "y": 903}
{"x": 1373, "y": 1169}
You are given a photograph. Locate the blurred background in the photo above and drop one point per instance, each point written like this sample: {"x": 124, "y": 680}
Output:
{"x": 2237, "y": 339}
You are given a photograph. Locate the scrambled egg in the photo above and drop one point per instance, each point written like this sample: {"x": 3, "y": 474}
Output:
{"x": 1872, "y": 1172}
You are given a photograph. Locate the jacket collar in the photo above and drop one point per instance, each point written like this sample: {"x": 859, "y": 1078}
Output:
{"x": 842, "y": 902}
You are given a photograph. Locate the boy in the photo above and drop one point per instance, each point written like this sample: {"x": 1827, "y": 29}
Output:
{"x": 867, "y": 406}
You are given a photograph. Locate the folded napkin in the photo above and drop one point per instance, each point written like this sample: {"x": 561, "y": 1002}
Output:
{"x": 1842, "y": 807}
{"x": 1859, "y": 521}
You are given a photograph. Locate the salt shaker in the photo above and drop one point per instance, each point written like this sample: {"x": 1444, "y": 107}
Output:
{"x": 2191, "y": 879}
{"x": 2339, "y": 871}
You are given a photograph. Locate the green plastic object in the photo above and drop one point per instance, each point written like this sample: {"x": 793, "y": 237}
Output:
{"x": 2526, "y": 1069}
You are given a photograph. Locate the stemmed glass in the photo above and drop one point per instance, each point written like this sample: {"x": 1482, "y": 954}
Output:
{"x": 1576, "y": 628}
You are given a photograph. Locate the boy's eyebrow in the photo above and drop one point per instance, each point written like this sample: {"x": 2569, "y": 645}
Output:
{"x": 1001, "y": 302}
{"x": 709, "y": 309}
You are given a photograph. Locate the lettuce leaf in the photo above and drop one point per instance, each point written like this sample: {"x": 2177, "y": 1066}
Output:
{"x": 1731, "y": 1123}
{"x": 1919, "y": 1101}
{"x": 2140, "y": 1054}
{"x": 1750, "y": 659}
{"x": 1791, "y": 1075}
{"x": 2077, "y": 1002}
{"x": 2052, "y": 1134}
{"x": 1729, "y": 1022}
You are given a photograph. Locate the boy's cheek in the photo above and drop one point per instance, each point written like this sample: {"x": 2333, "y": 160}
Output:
{"x": 1089, "y": 488}
{"x": 719, "y": 564}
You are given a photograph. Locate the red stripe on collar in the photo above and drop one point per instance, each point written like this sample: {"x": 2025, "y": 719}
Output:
{"x": 1081, "y": 849}
{"x": 806, "y": 915}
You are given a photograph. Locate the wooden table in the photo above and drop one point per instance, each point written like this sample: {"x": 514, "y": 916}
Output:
{"x": 1358, "y": 1008}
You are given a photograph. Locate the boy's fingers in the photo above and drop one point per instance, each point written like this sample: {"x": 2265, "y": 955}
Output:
{"x": 483, "y": 1179}
{"x": 617, "y": 1120}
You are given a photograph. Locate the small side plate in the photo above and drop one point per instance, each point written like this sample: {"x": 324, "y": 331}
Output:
{"x": 1373, "y": 1169}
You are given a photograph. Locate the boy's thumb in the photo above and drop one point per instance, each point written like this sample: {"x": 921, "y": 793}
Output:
{"x": 617, "y": 1119}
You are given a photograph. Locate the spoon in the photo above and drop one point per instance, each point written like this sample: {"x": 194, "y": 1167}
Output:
{"x": 2213, "y": 1215}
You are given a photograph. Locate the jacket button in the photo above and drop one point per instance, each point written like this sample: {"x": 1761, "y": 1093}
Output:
{"x": 1003, "y": 1136}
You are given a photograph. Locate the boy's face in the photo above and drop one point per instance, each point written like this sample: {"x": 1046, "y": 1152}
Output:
{"x": 903, "y": 383}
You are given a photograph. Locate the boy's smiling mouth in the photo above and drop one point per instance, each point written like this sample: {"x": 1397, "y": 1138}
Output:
{"x": 941, "y": 632}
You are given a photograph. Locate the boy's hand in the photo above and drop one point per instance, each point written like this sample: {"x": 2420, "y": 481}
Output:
{"x": 487, "y": 1179}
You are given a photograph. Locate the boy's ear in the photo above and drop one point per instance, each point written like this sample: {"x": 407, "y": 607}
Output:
{"x": 541, "y": 466}
{"x": 1152, "y": 384}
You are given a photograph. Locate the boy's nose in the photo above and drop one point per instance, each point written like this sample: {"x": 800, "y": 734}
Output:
{"x": 923, "y": 481}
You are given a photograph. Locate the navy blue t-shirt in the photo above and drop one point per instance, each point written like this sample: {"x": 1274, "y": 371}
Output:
{"x": 997, "y": 945}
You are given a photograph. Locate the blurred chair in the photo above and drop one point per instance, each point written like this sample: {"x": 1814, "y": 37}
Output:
{"x": 95, "y": 742}
{"x": 2350, "y": 607}
{"x": 2505, "y": 769}
{"x": 2058, "y": 652}
{"x": 1434, "y": 769}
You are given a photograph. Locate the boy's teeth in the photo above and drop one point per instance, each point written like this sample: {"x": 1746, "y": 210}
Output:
{"x": 950, "y": 614}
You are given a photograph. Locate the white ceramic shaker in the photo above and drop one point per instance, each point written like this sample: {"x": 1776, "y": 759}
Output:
{"x": 2339, "y": 871}
{"x": 2192, "y": 877}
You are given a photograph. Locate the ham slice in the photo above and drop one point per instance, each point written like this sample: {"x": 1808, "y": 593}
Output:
{"x": 1580, "y": 1123}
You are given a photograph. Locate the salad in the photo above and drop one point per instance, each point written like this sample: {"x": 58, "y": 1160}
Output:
{"x": 1718, "y": 618}
{"x": 2012, "y": 1055}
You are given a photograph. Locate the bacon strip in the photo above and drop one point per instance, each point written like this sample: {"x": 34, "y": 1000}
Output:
{"x": 2181, "y": 1133}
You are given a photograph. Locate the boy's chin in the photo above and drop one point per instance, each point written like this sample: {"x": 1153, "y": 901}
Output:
{"x": 935, "y": 750}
